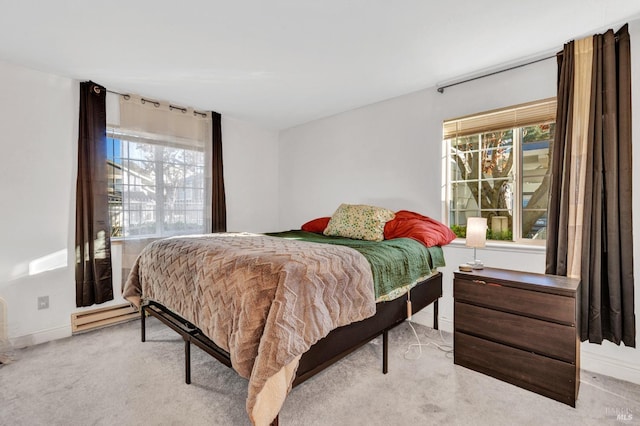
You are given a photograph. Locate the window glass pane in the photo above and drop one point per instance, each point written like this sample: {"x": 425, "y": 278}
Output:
{"x": 536, "y": 143}
{"x": 466, "y": 143}
{"x": 149, "y": 181}
{"x": 140, "y": 151}
{"x": 140, "y": 221}
{"x": 502, "y": 175}
{"x": 535, "y": 157}
{"x": 534, "y": 224}
{"x": 464, "y": 158}
{"x": 459, "y": 170}
{"x": 464, "y": 196}
{"x": 491, "y": 194}
{"x": 540, "y": 132}
{"x": 497, "y": 194}
{"x": 458, "y": 221}
{"x": 173, "y": 175}
{"x": 114, "y": 185}
{"x": 500, "y": 224}
{"x": 497, "y": 158}
{"x": 531, "y": 187}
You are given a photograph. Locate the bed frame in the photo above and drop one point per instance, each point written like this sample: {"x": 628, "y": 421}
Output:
{"x": 336, "y": 345}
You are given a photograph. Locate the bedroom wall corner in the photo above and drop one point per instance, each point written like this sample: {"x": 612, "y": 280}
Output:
{"x": 251, "y": 176}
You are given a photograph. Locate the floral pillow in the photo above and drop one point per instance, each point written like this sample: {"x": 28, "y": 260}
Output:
{"x": 360, "y": 222}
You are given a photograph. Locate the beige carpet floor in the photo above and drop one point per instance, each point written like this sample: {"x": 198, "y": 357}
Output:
{"x": 108, "y": 377}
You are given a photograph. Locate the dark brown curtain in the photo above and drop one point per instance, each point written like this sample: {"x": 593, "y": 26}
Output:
{"x": 558, "y": 215}
{"x": 93, "y": 245}
{"x": 606, "y": 269}
{"x": 218, "y": 202}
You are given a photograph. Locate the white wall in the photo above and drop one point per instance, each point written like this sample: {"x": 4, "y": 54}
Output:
{"x": 390, "y": 154}
{"x": 251, "y": 176}
{"x": 381, "y": 154}
{"x": 38, "y": 136}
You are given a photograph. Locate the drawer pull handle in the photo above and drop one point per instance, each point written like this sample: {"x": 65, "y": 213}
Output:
{"x": 482, "y": 282}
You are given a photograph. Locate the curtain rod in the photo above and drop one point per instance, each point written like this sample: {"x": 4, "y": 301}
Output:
{"x": 124, "y": 95}
{"x": 157, "y": 104}
{"x": 441, "y": 88}
{"x": 560, "y": 53}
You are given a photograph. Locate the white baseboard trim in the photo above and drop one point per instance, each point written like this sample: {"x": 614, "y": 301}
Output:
{"x": 40, "y": 337}
{"x": 607, "y": 366}
{"x": 445, "y": 324}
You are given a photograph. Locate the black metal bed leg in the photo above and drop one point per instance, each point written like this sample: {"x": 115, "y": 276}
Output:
{"x": 435, "y": 314}
{"x": 385, "y": 351}
{"x": 187, "y": 360}
{"x": 143, "y": 336}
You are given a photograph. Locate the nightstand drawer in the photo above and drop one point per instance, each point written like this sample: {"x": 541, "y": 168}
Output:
{"x": 519, "y": 327}
{"x": 493, "y": 294}
{"x": 546, "y": 376}
{"x": 534, "y": 335}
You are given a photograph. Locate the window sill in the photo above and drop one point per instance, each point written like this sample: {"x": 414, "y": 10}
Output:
{"x": 121, "y": 240}
{"x": 505, "y": 246}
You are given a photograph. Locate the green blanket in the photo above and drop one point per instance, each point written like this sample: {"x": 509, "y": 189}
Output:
{"x": 396, "y": 264}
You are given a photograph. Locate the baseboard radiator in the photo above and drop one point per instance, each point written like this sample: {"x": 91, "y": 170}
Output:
{"x": 101, "y": 317}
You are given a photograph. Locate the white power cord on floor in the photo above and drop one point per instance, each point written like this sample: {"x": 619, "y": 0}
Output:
{"x": 448, "y": 349}
{"x": 444, "y": 346}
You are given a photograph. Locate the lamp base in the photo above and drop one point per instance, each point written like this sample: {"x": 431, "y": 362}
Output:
{"x": 476, "y": 264}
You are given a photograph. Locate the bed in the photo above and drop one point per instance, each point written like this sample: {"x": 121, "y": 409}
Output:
{"x": 284, "y": 306}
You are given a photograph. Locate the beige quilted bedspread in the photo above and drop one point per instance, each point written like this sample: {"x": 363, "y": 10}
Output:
{"x": 265, "y": 300}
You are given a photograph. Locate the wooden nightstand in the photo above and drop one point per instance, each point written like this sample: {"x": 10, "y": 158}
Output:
{"x": 520, "y": 328}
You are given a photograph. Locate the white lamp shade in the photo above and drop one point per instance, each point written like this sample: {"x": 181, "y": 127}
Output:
{"x": 476, "y": 232}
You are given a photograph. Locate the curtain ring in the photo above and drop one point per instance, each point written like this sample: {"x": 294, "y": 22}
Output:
{"x": 154, "y": 103}
{"x": 171, "y": 108}
{"x": 96, "y": 89}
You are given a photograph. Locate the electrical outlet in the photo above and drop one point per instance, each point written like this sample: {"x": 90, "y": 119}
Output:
{"x": 43, "y": 302}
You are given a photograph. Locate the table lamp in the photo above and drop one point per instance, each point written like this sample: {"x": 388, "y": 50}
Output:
{"x": 476, "y": 238}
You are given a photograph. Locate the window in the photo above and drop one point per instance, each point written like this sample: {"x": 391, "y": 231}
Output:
{"x": 156, "y": 186}
{"x": 498, "y": 168}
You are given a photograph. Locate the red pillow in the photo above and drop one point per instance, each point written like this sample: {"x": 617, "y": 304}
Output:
{"x": 428, "y": 231}
{"x": 316, "y": 225}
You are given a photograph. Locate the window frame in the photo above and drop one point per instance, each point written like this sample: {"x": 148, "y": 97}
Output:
{"x": 513, "y": 118}
{"x": 158, "y": 143}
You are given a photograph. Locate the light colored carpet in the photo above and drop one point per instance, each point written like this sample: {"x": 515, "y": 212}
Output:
{"x": 108, "y": 377}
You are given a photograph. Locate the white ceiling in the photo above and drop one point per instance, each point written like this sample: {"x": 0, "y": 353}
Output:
{"x": 280, "y": 63}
